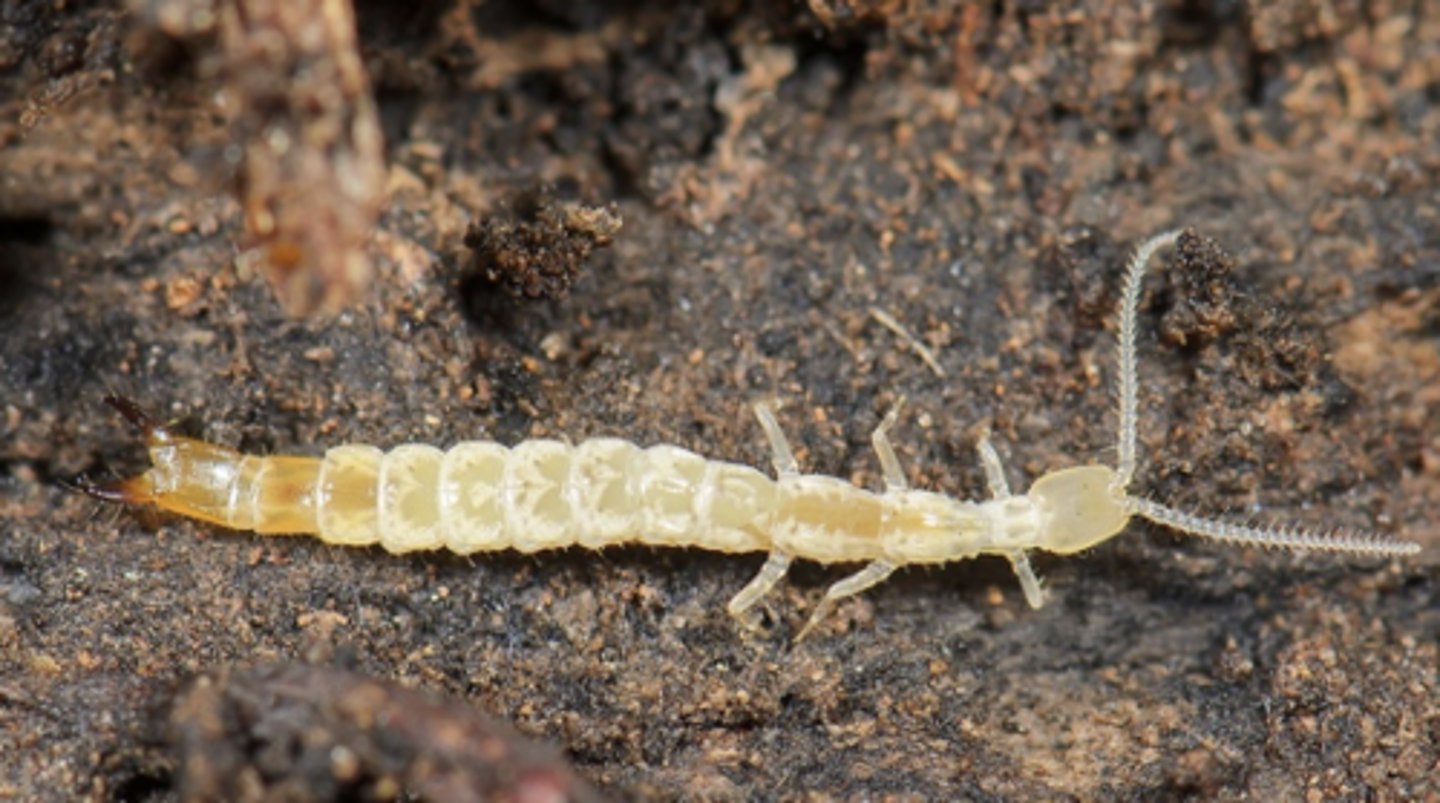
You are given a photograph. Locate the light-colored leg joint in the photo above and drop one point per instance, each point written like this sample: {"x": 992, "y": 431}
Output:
{"x": 780, "y": 454}
{"x": 889, "y": 463}
{"x": 994, "y": 469}
{"x": 771, "y": 573}
{"x": 1029, "y": 583}
{"x": 871, "y": 575}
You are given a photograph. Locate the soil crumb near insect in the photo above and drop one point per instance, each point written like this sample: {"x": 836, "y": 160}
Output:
{"x": 1201, "y": 288}
{"x": 539, "y": 250}
{"x": 976, "y": 171}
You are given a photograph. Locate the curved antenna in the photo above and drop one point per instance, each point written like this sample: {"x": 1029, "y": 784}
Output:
{"x": 1355, "y": 543}
{"x": 1126, "y": 388}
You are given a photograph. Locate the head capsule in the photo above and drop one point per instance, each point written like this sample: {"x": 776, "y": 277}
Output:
{"x": 1078, "y": 508}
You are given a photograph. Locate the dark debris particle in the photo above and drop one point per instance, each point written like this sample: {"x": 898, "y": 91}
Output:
{"x": 1204, "y": 303}
{"x": 1277, "y": 354}
{"x": 538, "y": 252}
{"x": 303, "y": 733}
{"x": 1202, "y": 294}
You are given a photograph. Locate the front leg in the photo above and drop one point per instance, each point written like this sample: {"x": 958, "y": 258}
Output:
{"x": 1029, "y": 583}
{"x": 994, "y": 470}
{"x": 1000, "y": 489}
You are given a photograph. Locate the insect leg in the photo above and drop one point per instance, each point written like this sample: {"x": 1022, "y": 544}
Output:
{"x": 780, "y": 454}
{"x": 778, "y": 563}
{"x": 136, "y": 415}
{"x": 1000, "y": 489}
{"x": 774, "y": 569}
{"x": 872, "y": 574}
{"x": 994, "y": 470}
{"x": 850, "y": 586}
{"x": 889, "y": 463}
{"x": 1029, "y": 583}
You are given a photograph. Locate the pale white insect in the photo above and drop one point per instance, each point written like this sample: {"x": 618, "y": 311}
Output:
{"x": 544, "y": 494}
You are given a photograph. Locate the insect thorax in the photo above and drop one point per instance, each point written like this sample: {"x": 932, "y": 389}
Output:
{"x": 829, "y": 520}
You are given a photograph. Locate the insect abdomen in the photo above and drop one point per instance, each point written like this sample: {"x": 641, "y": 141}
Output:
{"x": 542, "y": 494}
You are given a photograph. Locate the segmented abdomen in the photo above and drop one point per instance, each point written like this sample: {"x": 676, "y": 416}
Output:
{"x": 541, "y": 494}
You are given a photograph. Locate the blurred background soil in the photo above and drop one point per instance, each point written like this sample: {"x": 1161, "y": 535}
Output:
{"x": 634, "y": 219}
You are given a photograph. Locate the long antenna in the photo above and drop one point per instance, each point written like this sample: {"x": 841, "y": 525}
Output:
{"x": 1129, "y": 306}
{"x": 1355, "y": 543}
{"x": 1358, "y": 543}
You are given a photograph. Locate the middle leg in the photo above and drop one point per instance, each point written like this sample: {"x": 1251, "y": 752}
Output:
{"x": 778, "y": 563}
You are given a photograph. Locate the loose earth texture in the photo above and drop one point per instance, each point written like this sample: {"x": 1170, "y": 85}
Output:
{"x": 734, "y": 190}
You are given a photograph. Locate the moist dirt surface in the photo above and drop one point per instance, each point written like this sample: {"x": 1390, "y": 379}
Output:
{"x": 770, "y": 176}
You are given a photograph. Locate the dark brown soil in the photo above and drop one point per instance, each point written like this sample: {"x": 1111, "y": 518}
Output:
{"x": 975, "y": 170}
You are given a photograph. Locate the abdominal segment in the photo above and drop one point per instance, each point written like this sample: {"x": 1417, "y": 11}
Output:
{"x": 541, "y": 494}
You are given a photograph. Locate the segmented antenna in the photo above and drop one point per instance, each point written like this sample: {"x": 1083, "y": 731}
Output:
{"x": 1129, "y": 304}
{"x": 1357, "y": 543}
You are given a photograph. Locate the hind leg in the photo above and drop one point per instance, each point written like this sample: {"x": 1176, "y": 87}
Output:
{"x": 871, "y": 575}
{"x": 780, "y": 455}
{"x": 741, "y": 604}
